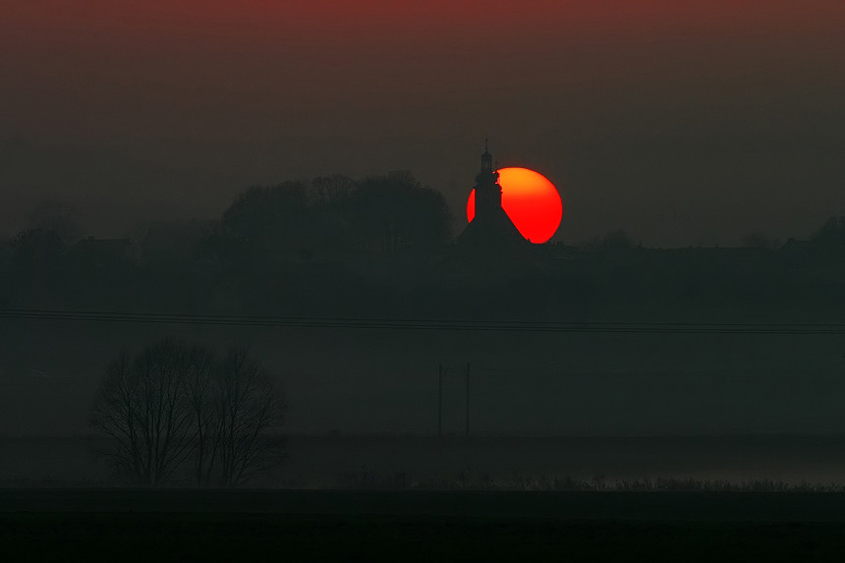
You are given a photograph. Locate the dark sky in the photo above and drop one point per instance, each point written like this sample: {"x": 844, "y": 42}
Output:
{"x": 691, "y": 122}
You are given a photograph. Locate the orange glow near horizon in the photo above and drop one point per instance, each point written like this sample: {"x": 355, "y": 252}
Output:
{"x": 531, "y": 201}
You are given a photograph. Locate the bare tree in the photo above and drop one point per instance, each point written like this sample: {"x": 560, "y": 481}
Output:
{"x": 249, "y": 407}
{"x": 115, "y": 414}
{"x": 175, "y": 404}
{"x": 199, "y": 392}
{"x": 144, "y": 408}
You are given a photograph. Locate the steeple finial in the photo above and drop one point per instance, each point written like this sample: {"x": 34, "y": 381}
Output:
{"x": 486, "y": 159}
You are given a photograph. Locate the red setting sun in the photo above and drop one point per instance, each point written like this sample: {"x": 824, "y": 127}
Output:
{"x": 531, "y": 201}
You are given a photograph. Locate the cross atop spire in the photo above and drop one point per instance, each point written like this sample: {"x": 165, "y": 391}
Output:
{"x": 486, "y": 159}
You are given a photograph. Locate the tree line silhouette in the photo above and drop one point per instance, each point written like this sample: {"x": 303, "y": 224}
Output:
{"x": 329, "y": 217}
{"x": 384, "y": 246}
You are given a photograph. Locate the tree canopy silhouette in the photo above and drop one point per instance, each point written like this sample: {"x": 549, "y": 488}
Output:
{"x": 176, "y": 404}
{"x": 831, "y": 233}
{"x": 333, "y": 215}
{"x": 37, "y": 249}
{"x": 56, "y": 216}
{"x": 393, "y": 212}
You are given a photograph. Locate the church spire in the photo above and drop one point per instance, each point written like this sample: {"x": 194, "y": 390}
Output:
{"x": 486, "y": 159}
{"x": 490, "y": 225}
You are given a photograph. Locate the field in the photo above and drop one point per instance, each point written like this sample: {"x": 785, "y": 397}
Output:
{"x": 355, "y": 462}
{"x": 776, "y": 498}
{"x": 419, "y": 526}
{"x": 179, "y": 537}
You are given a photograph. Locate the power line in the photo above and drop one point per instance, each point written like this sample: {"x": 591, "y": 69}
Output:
{"x": 428, "y": 324}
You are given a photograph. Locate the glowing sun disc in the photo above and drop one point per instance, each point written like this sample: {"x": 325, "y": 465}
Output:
{"x": 531, "y": 201}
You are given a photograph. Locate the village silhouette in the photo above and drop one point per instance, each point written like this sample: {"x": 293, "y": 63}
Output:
{"x": 386, "y": 247}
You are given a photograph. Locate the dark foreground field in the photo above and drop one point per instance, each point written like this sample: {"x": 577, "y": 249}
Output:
{"x": 419, "y": 526}
{"x": 246, "y": 537}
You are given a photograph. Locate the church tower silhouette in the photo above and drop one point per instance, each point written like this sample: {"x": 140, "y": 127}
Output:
{"x": 491, "y": 226}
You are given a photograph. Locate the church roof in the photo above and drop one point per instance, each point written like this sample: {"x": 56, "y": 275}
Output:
{"x": 491, "y": 226}
{"x": 496, "y": 229}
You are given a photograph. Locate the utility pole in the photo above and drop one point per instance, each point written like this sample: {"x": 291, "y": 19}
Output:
{"x": 467, "y": 401}
{"x": 440, "y": 373}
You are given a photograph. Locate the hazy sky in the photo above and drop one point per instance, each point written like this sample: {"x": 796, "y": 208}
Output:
{"x": 692, "y": 122}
